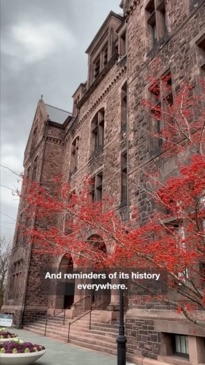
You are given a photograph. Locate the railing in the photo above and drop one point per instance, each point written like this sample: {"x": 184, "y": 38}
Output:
{"x": 100, "y": 305}
{"x": 107, "y": 301}
{"x": 64, "y": 314}
{"x": 51, "y": 317}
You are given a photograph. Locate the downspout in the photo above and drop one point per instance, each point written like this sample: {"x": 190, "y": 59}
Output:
{"x": 30, "y": 250}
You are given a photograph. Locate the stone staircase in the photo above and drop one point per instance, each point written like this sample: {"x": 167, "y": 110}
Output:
{"x": 101, "y": 336}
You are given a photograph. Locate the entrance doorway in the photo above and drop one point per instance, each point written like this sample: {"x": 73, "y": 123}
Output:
{"x": 67, "y": 291}
{"x": 69, "y": 295}
{"x": 99, "y": 299}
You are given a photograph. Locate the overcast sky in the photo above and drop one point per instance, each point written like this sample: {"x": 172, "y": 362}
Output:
{"x": 43, "y": 45}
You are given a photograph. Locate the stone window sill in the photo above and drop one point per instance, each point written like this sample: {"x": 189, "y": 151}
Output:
{"x": 175, "y": 360}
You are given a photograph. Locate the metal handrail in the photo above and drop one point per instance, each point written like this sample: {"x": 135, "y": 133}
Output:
{"x": 98, "y": 306}
{"x": 75, "y": 320}
{"x": 84, "y": 314}
{"x": 51, "y": 317}
{"x": 64, "y": 313}
{"x": 80, "y": 300}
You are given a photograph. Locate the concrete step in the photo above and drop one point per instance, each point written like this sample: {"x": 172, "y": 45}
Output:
{"x": 100, "y": 343}
{"x": 95, "y": 347}
{"x": 100, "y": 332}
{"x": 101, "y": 336}
{"x": 80, "y": 327}
{"x": 81, "y": 324}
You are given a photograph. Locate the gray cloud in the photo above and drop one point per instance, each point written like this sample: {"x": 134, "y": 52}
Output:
{"x": 42, "y": 52}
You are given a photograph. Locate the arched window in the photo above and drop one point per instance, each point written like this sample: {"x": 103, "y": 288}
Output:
{"x": 97, "y": 129}
{"x": 74, "y": 155}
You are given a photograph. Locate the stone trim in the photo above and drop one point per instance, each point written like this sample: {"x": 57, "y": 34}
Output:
{"x": 162, "y": 314}
{"x": 146, "y": 361}
{"x": 178, "y": 327}
{"x": 11, "y": 308}
{"x": 36, "y": 307}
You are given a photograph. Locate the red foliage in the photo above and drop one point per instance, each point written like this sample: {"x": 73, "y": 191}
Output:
{"x": 174, "y": 237}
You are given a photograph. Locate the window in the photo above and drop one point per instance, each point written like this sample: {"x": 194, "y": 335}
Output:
{"x": 22, "y": 222}
{"x": 162, "y": 100}
{"x": 100, "y": 61}
{"x": 157, "y": 21}
{"x": 98, "y": 131}
{"x": 202, "y": 273}
{"x": 27, "y": 178}
{"x": 124, "y": 178}
{"x": 97, "y": 186}
{"x": 176, "y": 233}
{"x": 99, "y": 250}
{"x": 180, "y": 345}
{"x": 201, "y": 52}
{"x": 122, "y": 44}
{"x": 105, "y": 55}
{"x": 124, "y": 108}
{"x": 68, "y": 218}
{"x": 96, "y": 67}
{"x": 74, "y": 155}
{"x": 16, "y": 280}
{"x": 34, "y": 172}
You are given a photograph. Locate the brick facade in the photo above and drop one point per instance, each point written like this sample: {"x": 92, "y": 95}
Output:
{"x": 120, "y": 58}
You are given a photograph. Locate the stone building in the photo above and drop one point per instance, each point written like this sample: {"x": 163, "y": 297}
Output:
{"x": 105, "y": 137}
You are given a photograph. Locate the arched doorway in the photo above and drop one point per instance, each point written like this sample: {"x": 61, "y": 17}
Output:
{"x": 67, "y": 285}
{"x": 101, "y": 298}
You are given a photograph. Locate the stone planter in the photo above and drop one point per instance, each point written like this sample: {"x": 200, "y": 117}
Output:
{"x": 21, "y": 359}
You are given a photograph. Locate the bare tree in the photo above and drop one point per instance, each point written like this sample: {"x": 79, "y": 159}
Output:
{"x": 4, "y": 261}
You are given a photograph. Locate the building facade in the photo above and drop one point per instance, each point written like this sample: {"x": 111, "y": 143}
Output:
{"x": 106, "y": 138}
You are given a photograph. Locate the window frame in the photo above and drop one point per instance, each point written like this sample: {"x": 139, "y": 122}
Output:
{"x": 200, "y": 43}
{"x": 74, "y": 155}
{"x": 162, "y": 97}
{"x": 97, "y": 131}
{"x": 124, "y": 108}
{"x": 178, "y": 344}
{"x": 156, "y": 19}
{"x": 124, "y": 182}
{"x": 96, "y": 190}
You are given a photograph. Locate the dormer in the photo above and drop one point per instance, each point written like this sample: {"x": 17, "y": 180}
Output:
{"x": 103, "y": 46}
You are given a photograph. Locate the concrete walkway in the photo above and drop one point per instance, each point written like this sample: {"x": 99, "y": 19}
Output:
{"x": 59, "y": 353}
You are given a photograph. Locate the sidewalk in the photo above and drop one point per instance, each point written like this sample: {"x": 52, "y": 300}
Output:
{"x": 59, "y": 353}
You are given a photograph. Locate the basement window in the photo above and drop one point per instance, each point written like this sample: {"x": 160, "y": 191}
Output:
{"x": 180, "y": 345}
